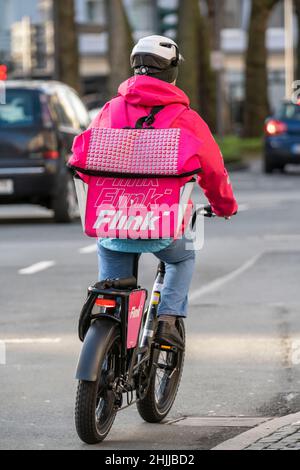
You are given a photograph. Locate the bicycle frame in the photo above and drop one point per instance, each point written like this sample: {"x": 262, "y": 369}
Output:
{"x": 120, "y": 355}
{"x": 131, "y": 359}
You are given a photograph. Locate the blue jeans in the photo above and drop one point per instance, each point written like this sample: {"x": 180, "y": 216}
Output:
{"x": 180, "y": 264}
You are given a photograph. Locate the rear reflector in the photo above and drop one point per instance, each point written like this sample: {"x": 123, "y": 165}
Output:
{"x": 51, "y": 155}
{"x": 106, "y": 303}
{"x": 274, "y": 127}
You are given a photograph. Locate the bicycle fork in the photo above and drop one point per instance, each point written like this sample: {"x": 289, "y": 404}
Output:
{"x": 151, "y": 318}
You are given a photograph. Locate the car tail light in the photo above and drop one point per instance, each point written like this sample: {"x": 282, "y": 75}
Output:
{"x": 51, "y": 155}
{"x": 274, "y": 127}
{"x": 3, "y": 72}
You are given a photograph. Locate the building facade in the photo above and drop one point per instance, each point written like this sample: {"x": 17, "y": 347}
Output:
{"x": 29, "y": 23}
{"x": 13, "y": 11}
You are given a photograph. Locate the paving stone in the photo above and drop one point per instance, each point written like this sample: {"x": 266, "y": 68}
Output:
{"x": 287, "y": 438}
{"x": 257, "y": 447}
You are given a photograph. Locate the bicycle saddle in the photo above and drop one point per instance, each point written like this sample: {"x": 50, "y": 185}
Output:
{"x": 121, "y": 284}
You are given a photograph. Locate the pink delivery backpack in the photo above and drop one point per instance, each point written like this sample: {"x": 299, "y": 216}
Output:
{"x": 135, "y": 183}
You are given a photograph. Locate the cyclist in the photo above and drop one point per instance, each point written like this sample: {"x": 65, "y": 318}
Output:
{"x": 155, "y": 61}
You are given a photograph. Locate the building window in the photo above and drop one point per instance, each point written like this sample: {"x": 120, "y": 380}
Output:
{"x": 95, "y": 11}
{"x": 141, "y": 14}
{"x": 233, "y": 14}
{"x": 277, "y": 16}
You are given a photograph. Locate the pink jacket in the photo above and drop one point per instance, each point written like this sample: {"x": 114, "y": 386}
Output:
{"x": 136, "y": 98}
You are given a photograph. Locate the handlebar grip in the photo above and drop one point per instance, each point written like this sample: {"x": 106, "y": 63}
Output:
{"x": 208, "y": 211}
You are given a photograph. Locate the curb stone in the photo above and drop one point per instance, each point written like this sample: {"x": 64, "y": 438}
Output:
{"x": 249, "y": 438}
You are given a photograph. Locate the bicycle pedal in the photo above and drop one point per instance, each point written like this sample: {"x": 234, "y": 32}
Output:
{"x": 165, "y": 347}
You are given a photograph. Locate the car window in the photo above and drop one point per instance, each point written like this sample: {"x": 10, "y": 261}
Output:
{"x": 290, "y": 111}
{"x": 62, "y": 116}
{"x": 80, "y": 110}
{"x": 21, "y": 109}
{"x": 65, "y": 111}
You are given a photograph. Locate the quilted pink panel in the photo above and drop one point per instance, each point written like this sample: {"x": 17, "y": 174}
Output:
{"x": 133, "y": 151}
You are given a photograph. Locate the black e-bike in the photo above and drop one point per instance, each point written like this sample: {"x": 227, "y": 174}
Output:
{"x": 121, "y": 364}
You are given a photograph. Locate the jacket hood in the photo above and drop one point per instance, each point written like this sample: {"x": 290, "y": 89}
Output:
{"x": 149, "y": 91}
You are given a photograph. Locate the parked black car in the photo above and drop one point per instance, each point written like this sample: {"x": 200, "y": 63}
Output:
{"x": 38, "y": 123}
{"x": 282, "y": 138}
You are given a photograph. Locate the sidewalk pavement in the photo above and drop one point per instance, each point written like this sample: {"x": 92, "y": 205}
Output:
{"x": 277, "y": 434}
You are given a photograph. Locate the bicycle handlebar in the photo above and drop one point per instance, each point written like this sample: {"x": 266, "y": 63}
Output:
{"x": 207, "y": 212}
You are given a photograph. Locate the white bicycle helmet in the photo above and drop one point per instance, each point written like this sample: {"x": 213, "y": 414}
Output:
{"x": 157, "y": 56}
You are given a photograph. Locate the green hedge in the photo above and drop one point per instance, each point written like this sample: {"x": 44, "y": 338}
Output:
{"x": 235, "y": 149}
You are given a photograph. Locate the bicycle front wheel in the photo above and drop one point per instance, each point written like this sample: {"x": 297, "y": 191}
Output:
{"x": 164, "y": 383}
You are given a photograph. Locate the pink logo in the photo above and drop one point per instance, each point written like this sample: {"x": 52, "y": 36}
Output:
{"x": 134, "y": 208}
{"x": 137, "y": 302}
{"x": 135, "y": 313}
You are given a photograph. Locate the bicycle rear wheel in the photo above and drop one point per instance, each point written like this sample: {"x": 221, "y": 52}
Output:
{"x": 164, "y": 383}
{"x": 95, "y": 404}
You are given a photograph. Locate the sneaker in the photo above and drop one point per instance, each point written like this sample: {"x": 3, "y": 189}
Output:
{"x": 168, "y": 335}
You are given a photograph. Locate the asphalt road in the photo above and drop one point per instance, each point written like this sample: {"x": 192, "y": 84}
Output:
{"x": 243, "y": 357}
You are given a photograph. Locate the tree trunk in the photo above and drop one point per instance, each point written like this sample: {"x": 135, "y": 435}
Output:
{"x": 120, "y": 44}
{"x": 297, "y": 8}
{"x": 211, "y": 9}
{"x": 188, "y": 38}
{"x": 66, "y": 43}
{"x": 196, "y": 77}
{"x": 256, "y": 100}
{"x": 208, "y": 79}
{"x": 215, "y": 26}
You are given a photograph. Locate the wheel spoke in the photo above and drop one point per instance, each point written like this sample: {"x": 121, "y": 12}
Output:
{"x": 105, "y": 401}
{"x": 165, "y": 370}
{"x": 164, "y": 381}
{"x": 162, "y": 378}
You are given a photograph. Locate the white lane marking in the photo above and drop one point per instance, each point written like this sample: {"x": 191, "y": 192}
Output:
{"x": 31, "y": 341}
{"x": 88, "y": 249}
{"x": 36, "y": 268}
{"x": 218, "y": 283}
{"x": 243, "y": 207}
{"x": 283, "y": 237}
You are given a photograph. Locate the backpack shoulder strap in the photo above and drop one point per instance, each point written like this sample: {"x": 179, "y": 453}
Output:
{"x": 149, "y": 120}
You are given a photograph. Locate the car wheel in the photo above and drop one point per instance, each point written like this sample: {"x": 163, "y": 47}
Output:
{"x": 65, "y": 204}
{"x": 268, "y": 165}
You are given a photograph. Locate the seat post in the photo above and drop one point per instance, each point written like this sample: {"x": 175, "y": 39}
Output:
{"x": 136, "y": 267}
{"x": 162, "y": 268}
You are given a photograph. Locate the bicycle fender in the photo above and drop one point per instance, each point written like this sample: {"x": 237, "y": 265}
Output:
{"x": 93, "y": 349}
